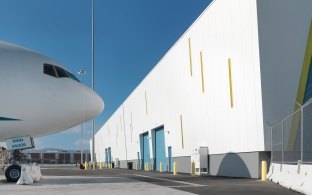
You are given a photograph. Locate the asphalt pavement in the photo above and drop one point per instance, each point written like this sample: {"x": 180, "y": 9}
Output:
{"x": 72, "y": 180}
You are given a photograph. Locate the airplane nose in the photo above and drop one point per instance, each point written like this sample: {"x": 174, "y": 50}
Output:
{"x": 95, "y": 104}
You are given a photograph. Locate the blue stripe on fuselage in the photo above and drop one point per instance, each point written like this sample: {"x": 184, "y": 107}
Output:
{"x": 8, "y": 119}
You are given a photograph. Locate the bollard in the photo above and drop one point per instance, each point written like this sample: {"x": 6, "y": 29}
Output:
{"x": 100, "y": 165}
{"x": 193, "y": 169}
{"x": 174, "y": 168}
{"x": 264, "y": 169}
{"x": 160, "y": 167}
{"x": 86, "y": 166}
{"x": 147, "y": 166}
{"x": 299, "y": 164}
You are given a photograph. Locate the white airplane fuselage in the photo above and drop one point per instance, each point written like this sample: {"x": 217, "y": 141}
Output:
{"x": 33, "y": 102}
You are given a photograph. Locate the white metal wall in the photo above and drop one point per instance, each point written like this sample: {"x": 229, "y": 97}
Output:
{"x": 227, "y": 29}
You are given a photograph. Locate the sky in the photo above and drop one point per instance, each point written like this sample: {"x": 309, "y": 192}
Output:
{"x": 131, "y": 36}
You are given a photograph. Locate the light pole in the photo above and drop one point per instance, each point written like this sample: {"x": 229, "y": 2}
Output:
{"x": 92, "y": 64}
{"x": 82, "y": 73}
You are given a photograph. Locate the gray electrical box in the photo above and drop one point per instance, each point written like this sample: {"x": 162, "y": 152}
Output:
{"x": 200, "y": 157}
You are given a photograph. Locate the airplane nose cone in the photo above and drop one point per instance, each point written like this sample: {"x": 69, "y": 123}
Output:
{"x": 95, "y": 104}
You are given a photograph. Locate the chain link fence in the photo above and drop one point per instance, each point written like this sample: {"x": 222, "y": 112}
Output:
{"x": 291, "y": 138}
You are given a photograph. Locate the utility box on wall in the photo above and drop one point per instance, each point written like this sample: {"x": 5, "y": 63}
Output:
{"x": 200, "y": 157}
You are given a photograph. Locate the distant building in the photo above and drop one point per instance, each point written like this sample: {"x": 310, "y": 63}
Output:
{"x": 54, "y": 156}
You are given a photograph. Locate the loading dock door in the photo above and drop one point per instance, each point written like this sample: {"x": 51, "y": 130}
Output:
{"x": 106, "y": 156}
{"x": 146, "y": 151}
{"x": 160, "y": 151}
{"x": 170, "y": 159}
{"x": 109, "y": 151}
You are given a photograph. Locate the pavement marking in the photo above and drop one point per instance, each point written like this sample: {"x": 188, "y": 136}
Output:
{"x": 78, "y": 177}
{"x": 187, "y": 186}
{"x": 181, "y": 182}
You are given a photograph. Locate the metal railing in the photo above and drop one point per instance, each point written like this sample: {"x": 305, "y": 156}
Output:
{"x": 291, "y": 138}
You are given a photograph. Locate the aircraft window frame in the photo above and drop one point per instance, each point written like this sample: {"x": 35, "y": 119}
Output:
{"x": 49, "y": 69}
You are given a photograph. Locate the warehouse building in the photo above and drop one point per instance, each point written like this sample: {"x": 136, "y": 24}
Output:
{"x": 237, "y": 70}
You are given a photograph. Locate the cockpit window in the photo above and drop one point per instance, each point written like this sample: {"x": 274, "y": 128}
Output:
{"x": 72, "y": 76}
{"x": 49, "y": 70}
{"x": 61, "y": 72}
{"x": 57, "y": 72}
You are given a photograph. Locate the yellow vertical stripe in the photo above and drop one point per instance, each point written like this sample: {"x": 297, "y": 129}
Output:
{"x": 301, "y": 89}
{"x": 146, "y": 104}
{"x": 117, "y": 135}
{"x": 181, "y": 126}
{"x": 190, "y": 56}
{"x": 202, "y": 72}
{"x": 230, "y": 81}
{"x": 131, "y": 126}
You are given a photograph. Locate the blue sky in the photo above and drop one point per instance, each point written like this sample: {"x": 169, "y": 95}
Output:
{"x": 130, "y": 38}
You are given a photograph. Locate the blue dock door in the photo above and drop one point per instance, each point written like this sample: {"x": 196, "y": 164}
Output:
{"x": 160, "y": 150}
{"x": 170, "y": 159}
{"x": 106, "y": 156}
{"x": 109, "y": 151}
{"x": 145, "y": 150}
